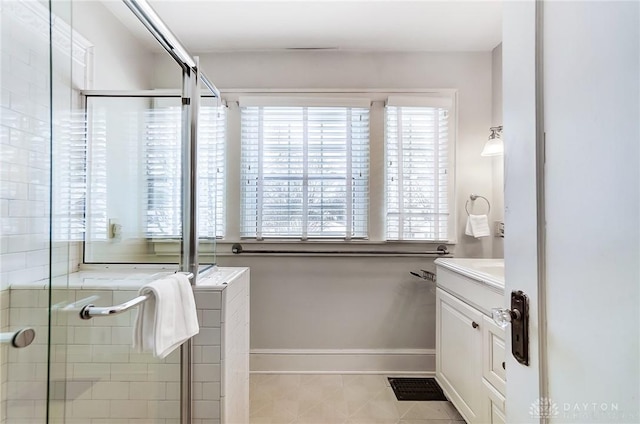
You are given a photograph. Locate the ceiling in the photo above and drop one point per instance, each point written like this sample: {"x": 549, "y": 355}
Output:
{"x": 383, "y": 25}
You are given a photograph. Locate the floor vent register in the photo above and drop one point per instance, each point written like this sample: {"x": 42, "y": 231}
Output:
{"x": 416, "y": 389}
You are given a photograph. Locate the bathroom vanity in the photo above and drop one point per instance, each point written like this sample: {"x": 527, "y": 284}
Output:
{"x": 470, "y": 347}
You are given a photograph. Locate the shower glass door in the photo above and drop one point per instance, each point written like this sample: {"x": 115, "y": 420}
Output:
{"x": 38, "y": 243}
{"x": 96, "y": 376}
{"x": 88, "y": 195}
{"x": 134, "y": 178}
{"x": 131, "y": 154}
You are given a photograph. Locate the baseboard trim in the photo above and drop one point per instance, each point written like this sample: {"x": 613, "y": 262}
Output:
{"x": 343, "y": 361}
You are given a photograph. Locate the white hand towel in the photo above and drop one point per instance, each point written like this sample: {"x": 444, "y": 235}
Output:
{"x": 479, "y": 225}
{"x": 168, "y": 318}
{"x": 467, "y": 230}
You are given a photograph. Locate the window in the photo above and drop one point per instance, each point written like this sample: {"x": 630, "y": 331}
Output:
{"x": 305, "y": 169}
{"x": 163, "y": 171}
{"x": 417, "y": 141}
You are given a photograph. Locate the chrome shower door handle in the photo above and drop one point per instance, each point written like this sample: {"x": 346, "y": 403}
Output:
{"x": 19, "y": 339}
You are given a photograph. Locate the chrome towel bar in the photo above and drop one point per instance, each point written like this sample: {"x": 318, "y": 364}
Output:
{"x": 473, "y": 198}
{"x": 440, "y": 250}
{"x": 90, "y": 311}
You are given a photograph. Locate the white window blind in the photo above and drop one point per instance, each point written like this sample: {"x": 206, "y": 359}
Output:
{"x": 163, "y": 172}
{"x": 97, "y": 176}
{"x": 305, "y": 172}
{"x": 212, "y": 141}
{"x": 417, "y": 187}
{"x": 69, "y": 178}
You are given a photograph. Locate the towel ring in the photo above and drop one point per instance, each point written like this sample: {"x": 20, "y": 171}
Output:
{"x": 473, "y": 197}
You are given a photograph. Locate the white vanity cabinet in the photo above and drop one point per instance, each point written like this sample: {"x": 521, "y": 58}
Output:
{"x": 470, "y": 348}
{"x": 458, "y": 344}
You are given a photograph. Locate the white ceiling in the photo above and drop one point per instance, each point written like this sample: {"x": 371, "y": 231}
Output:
{"x": 386, "y": 25}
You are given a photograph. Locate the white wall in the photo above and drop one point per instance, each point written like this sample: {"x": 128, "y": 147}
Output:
{"x": 592, "y": 105}
{"x": 311, "y": 306}
{"x": 121, "y": 62}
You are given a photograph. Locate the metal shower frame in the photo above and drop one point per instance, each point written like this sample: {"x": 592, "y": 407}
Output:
{"x": 192, "y": 77}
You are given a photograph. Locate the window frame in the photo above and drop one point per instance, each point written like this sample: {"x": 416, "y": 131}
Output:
{"x": 438, "y": 101}
{"x": 305, "y": 118}
{"x": 377, "y": 169}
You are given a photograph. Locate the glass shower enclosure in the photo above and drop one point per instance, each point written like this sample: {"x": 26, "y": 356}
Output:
{"x": 120, "y": 200}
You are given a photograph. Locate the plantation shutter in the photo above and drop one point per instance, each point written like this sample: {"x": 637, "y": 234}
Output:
{"x": 305, "y": 170}
{"x": 417, "y": 157}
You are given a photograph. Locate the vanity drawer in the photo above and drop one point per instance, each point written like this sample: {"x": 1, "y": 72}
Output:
{"x": 493, "y": 354}
{"x": 481, "y": 296}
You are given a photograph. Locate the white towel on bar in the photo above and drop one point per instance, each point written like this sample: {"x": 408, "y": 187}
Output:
{"x": 467, "y": 230}
{"x": 168, "y": 318}
{"x": 479, "y": 226}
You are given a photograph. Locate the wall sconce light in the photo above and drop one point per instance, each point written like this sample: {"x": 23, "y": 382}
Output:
{"x": 494, "y": 146}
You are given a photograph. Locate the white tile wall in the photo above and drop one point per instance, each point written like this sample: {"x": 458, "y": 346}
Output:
{"x": 207, "y": 347}
{"x": 235, "y": 357}
{"x": 98, "y": 378}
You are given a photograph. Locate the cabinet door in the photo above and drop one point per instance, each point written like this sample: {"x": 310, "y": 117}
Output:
{"x": 459, "y": 354}
{"x": 494, "y": 404}
{"x": 493, "y": 354}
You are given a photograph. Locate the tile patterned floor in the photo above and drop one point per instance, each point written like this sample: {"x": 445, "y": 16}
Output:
{"x": 339, "y": 399}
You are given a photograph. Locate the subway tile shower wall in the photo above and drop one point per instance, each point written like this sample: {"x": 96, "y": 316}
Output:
{"x": 97, "y": 378}
{"x": 25, "y": 150}
{"x": 24, "y": 156}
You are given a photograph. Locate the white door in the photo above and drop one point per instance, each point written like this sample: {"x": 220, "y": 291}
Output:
{"x": 590, "y": 368}
{"x": 521, "y": 185}
{"x": 592, "y": 126}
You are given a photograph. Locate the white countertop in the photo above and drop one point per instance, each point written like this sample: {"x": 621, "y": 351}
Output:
{"x": 486, "y": 271}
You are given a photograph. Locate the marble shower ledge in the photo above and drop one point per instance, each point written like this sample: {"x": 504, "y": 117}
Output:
{"x": 122, "y": 277}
